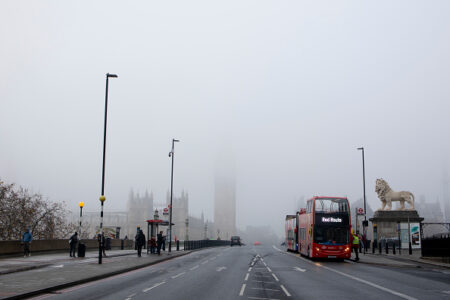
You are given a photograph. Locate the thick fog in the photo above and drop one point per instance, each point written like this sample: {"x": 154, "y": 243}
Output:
{"x": 287, "y": 89}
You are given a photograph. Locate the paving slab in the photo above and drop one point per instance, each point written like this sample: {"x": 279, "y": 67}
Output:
{"x": 65, "y": 273}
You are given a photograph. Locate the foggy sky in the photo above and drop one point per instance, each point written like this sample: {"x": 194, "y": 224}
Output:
{"x": 292, "y": 88}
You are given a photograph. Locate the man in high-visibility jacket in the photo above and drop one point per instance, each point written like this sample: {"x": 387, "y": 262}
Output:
{"x": 355, "y": 244}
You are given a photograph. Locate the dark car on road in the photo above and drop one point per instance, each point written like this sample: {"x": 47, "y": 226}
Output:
{"x": 235, "y": 240}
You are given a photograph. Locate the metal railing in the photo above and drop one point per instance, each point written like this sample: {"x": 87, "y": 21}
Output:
{"x": 191, "y": 245}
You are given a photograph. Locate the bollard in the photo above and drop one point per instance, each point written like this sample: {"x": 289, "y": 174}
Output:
{"x": 360, "y": 248}
{"x": 387, "y": 248}
{"x": 379, "y": 248}
{"x": 410, "y": 248}
{"x": 393, "y": 248}
{"x": 373, "y": 248}
{"x": 178, "y": 245}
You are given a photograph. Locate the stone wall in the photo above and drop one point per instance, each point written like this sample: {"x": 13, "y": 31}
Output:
{"x": 15, "y": 247}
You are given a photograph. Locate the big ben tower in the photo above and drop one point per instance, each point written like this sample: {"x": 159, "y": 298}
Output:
{"x": 225, "y": 197}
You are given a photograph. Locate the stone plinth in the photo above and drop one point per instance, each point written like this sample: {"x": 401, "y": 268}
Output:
{"x": 386, "y": 222}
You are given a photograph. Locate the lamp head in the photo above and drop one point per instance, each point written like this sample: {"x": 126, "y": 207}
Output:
{"x": 176, "y": 140}
{"x": 361, "y": 148}
{"x": 111, "y": 75}
{"x": 102, "y": 198}
{"x": 81, "y": 204}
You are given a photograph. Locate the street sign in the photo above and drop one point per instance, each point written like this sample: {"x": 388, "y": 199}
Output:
{"x": 360, "y": 211}
{"x": 165, "y": 211}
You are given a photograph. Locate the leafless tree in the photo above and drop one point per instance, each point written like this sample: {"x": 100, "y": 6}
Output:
{"x": 20, "y": 209}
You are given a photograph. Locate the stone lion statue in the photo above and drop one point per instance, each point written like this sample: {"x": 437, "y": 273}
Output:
{"x": 387, "y": 195}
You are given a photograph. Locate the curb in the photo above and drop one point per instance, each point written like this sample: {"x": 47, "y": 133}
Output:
{"x": 93, "y": 278}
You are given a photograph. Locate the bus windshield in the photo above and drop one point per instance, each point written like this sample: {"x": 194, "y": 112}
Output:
{"x": 331, "y": 235}
{"x": 331, "y": 205}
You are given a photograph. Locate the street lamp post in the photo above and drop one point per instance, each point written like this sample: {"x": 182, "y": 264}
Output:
{"x": 172, "y": 155}
{"x": 102, "y": 196}
{"x": 80, "y": 204}
{"x": 364, "y": 192}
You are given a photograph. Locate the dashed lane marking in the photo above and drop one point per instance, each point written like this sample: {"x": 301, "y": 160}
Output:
{"x": 193, "y": 268}
{"x": 250, "y": 269}
{"x": 263, "y": 298}
{"x": 246, "y": 277}
{"x": 131, "y": 296}
{"x": 265, "y": 263}
{"x": 241, "y": 293}
{"x": 204, "y": 262}
{"x": 220, "y": 269}
{"x": 275, "y": 276}
{"x": 285, "y": 291}
{"x": 299, "y": 269}
{"x": 270, "y": 270}
{"x": 213, "y": 258}
{"x": 152, "y": 287}
{"x": 178, "y": 275}
{"x": 252, "y": 264}
{"x": 265, "y": 289}
{"x": 271, "y": 282}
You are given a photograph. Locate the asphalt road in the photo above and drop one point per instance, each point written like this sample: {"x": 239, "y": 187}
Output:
{"x": 264, "y": 272}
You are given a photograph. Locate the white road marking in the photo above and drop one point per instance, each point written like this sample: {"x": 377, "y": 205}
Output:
{"x": 155, "y": 285}
{"x": 252, "y": 263}
{"x": 299, "y": 269}
{"x": 132, "y": 295}
{"x": 178, "y": 275}
{"x": 262, "y": 298}
{"x": 193, "y": 268}
{"x": 269, "y": 269}
{"x": 241, "y": 293}
{"x": 264, "y": 263}
{"x": 365, "y": 282}
{"x": 220, "y": 269}
{"x": 273, "y": 290}
{"x": 246, "y": 277}
{"x": 262, "y": 259}
{"x": 58, "y": 266}
{"x": 259, "y": 268}
{"x": 285, "y": 291}
{"x": 204, "y": 262}
{"x": 250, "y": 269}
{"x": 261, "y": 276}
{"x": 277, "y": 248}
{"x": 274, "y": 276}
{"x": 213, "y": 258}
{"x": 264, "y": 281}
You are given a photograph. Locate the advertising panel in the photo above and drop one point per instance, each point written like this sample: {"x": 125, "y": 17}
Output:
{"x": 414, "y": 234}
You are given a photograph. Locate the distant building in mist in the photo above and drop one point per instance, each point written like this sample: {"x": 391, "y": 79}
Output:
{"x": 142, "y": 208}
{"x": 446, "y": 195}
{"x": 139, "y": 210}
{"x": 225, "y": 198}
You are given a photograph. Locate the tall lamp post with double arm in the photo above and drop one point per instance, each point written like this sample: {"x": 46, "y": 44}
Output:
{"x": 364, "y": 195}
{"x": 102, "y": 196}
{"x": 172, "y": 155}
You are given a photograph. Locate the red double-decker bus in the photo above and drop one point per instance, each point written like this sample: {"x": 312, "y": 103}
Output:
{"x": 291, "y": 230}
{"x": 324, "y": 228}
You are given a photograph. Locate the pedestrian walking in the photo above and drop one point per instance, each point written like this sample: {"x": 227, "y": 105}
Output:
{"x": 159, "y": 240}
{"x": 103, "y": 243}
{"x": 164, "y": 243}
{"x": 73, "y": 241}
{"x": 27, "y": 238}
{"x": 355, "y": 244}
{"x": 153, "y": 245}
{"x": 140, "y": 241}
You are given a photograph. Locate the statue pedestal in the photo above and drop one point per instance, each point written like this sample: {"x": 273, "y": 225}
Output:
{"x": 395, "y": 225}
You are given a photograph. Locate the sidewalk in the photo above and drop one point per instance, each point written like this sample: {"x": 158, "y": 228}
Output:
{"x": 398, "y": 260}
{"x": 47, "y": 272}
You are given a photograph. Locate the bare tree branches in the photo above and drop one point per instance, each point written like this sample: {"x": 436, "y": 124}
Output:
{"x": 20, "y": 210}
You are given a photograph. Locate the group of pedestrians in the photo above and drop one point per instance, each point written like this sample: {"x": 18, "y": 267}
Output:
{"x": 154, "y": 244}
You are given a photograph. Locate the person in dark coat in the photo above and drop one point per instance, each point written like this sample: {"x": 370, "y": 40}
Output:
{"x": 73, "y": 241}
{"x": 27, "y": 238}
{"x": 159, "y": 241}
{"x": 140, "y": 241}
